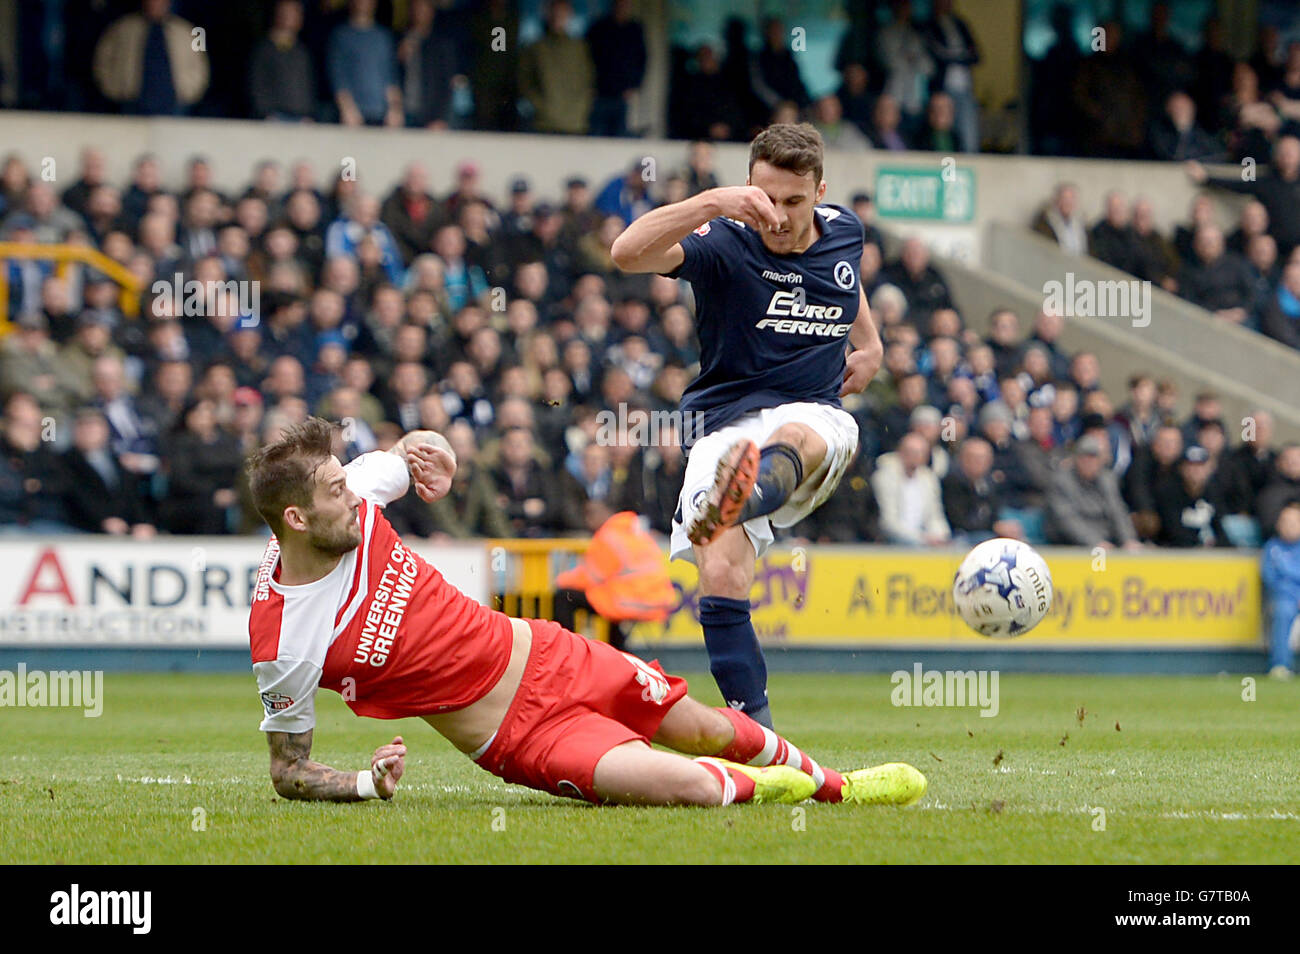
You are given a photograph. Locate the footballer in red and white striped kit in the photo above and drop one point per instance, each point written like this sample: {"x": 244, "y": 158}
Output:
{"x": 342, "y": 603}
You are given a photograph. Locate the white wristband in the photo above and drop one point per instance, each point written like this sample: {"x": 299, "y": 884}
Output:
{"x": 366, "y": 784}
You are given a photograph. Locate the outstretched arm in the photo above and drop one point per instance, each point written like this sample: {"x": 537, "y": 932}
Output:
{"x": 296, "y": 776}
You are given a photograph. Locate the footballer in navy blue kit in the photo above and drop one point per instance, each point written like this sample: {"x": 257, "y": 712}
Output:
{"x": 785, "y": 332}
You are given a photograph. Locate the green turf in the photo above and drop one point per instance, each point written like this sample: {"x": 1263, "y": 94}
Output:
{"x": 1193, "y": 774}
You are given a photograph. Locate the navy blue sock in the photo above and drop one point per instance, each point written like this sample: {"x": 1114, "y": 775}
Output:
{"x": 780, "y": 471}
{"x": 735, "y": 658}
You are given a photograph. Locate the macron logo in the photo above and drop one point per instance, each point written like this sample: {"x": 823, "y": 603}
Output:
{"x": 76, "y": 907}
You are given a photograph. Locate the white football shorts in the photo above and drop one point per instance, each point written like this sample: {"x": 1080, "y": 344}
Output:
{"x": 835, "y": 426}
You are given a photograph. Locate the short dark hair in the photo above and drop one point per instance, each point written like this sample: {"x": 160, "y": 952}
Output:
{"x": 795, "y": 147}
{"x": 283, "y": 474}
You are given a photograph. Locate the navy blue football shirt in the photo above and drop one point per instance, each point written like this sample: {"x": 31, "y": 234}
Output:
{"x": 773, "y": 328}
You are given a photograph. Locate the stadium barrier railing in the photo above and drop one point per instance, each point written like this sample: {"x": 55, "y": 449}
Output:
{"x": 522, "y": 580}
{"x": 64, "y": 257}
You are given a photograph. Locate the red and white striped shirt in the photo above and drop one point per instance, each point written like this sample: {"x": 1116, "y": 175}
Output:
{"x": 383, "y": 628}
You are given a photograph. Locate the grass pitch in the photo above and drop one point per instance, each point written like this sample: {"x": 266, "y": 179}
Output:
{"x": 1098, "y": 769}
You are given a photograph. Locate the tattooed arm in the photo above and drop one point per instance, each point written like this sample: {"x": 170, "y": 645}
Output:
{"x": 297, "y": 776}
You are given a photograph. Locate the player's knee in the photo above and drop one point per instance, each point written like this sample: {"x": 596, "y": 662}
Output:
{"x": 699, "y": 788}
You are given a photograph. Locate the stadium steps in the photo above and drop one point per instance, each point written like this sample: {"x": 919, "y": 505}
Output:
{"x": 1253, "y": 370}
{"x": 1253, "y": 373}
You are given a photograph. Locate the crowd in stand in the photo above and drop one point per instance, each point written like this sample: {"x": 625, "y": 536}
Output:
{"x": 903, "y": 83}
{"x": 1249, "y": 276}
{"x": 508, "y": 327}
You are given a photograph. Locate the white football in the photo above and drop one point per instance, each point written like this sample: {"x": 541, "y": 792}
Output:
{"x": 1003, "y": 588}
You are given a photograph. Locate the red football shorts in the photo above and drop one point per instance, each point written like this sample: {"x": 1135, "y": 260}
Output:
{"x": 578, "y": 699}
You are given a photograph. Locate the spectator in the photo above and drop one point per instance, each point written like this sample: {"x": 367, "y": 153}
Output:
{"x": 465, "y": 283}
{"x": 470, "y": 508}
{"x": 1112, "y": 240}
{"x": 952, "y": 47}
{"x": 203, "y": 465}
{"x": 77, "y": 358}
{"x": 103, "y": 497}
{"x": 1280, "y": 571}
{"x": 1265, "y": 276}
{"x": 701, "y": 104}
{"x": 1251, "y": 122}
{"x": 626, "y": 196}
{"x": 361, "y": 221}
{"x": 494, "y": 75}
{"x": 1048, "y": 326}
{"x": 855, "y": 97}
{"x": 1138, "y": 416}
{"x": 1251, "y": 462}
{"x": 1213, "y": 69}
{"x": 907, "y": 63}
{"x": 1019, "y": 484}
{"x": 1253, "y": 222}
{"x": 1285, "y": 93}
{"x": 1110, "y": 98}
{"x": 937, "y": 134}
{"x": 909, "y": 496}
{"x": 1004, "y": 340}
{"x": 430, "y": 74}
{"x": 1165, "y": 64}
{"x": 1062, "y": 221}
{"x": 362, "y": 66}
{"x": 94, "y": 173}
{"x": 281, "y": 75}
{"x": 1157, "y": 260}
{"x": 920, "y": 281}
{"x": 886, "y": 120}
{"x": 33, "y": 480}
{"x": 524, "y": 489}
{"x": 1279, "y": 191}
{"x": 1217, "y": 280}
{"x": 1280, "y": 318}
{"x": 1202, "y": 214}
{"x": 971, "y": 501}
{"x": 41, "y": 212}
{"x": 777, "y": 79}
{"x": 836, "y": 132}
{"x": 147, "y": 64}
{"x": 1175, "y": 136}
{"x": 557, "y": 77}
{"x": 618, "y": 54}
{"x": 1282, "y": 489}
{"x": 1189, "y": 505}
{"x": 1084, "y": 507}
{"x": 29, "y": 362}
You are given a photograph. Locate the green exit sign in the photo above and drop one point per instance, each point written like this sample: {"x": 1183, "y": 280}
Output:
{"x": 940, "y": 194}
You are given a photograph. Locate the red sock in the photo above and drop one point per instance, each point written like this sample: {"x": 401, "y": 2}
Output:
{"x": 832, "y": 789}
{"x": 736, "y": 786}
{"x": 758, "y": 745}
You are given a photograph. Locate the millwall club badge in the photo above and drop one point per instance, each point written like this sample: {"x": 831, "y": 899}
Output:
{"x": 845, "y": 275}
